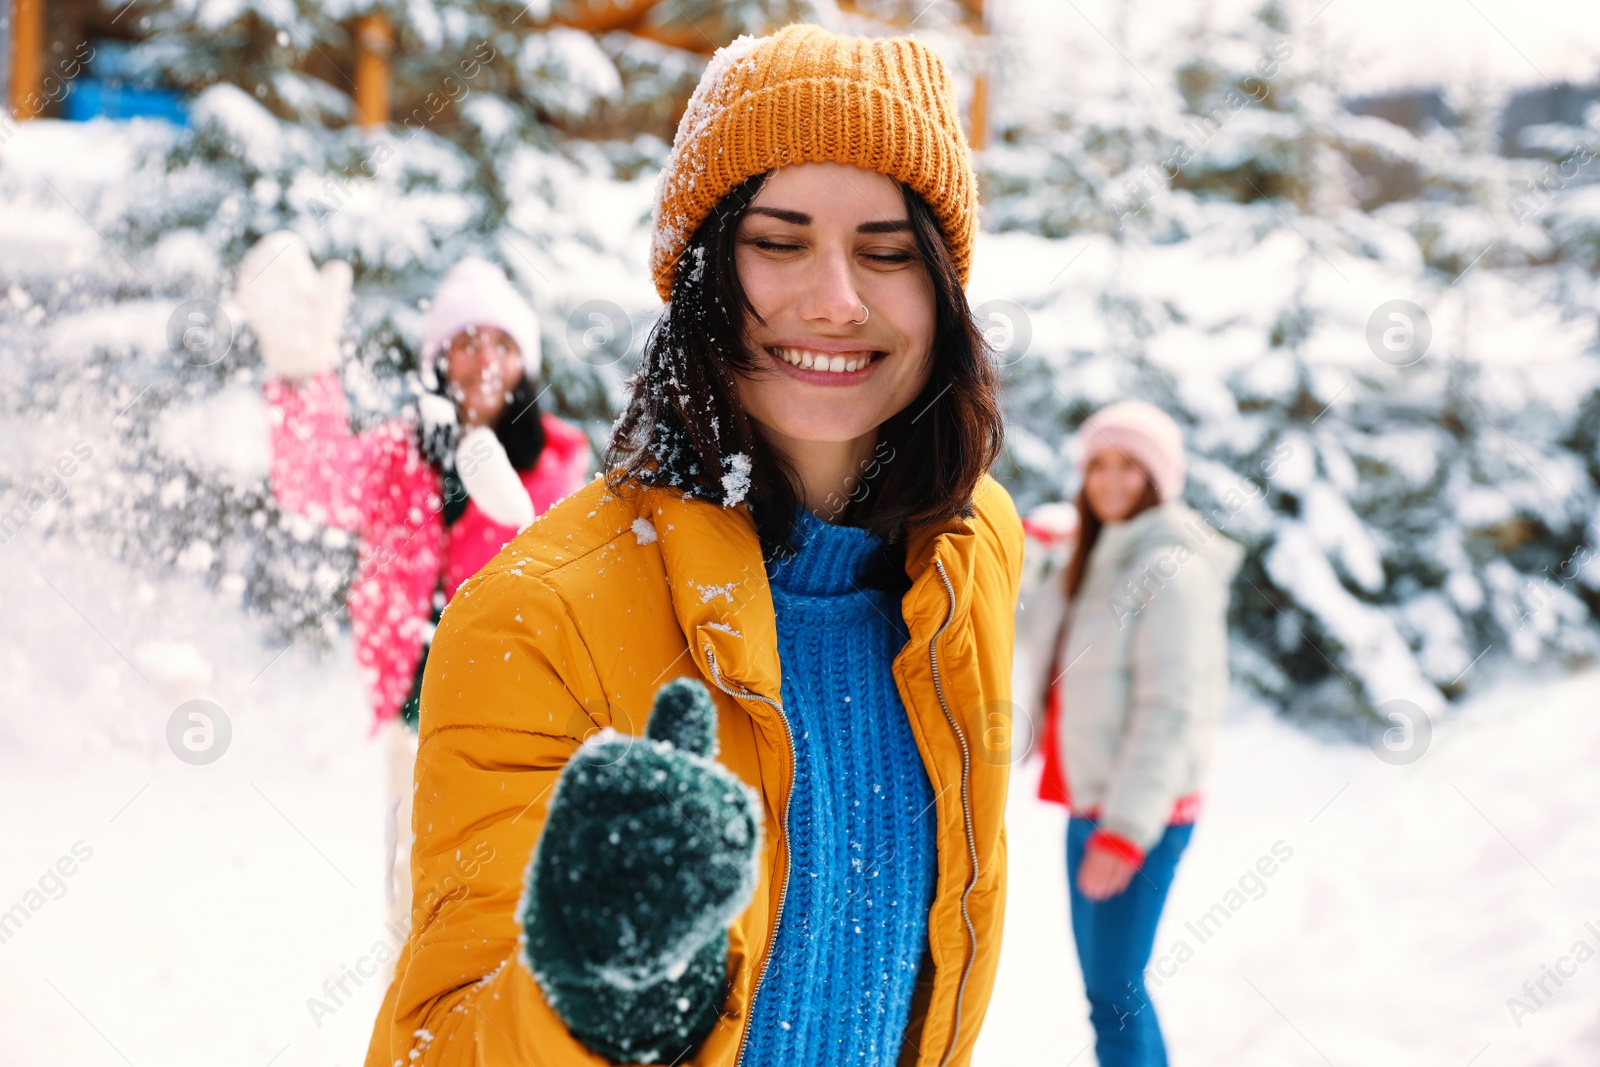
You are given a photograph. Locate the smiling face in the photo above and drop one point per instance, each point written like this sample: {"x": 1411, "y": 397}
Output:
{"x": 1114, "y": 485}
{"x": 484, "y": 366}
{"x": 819, "y": 241}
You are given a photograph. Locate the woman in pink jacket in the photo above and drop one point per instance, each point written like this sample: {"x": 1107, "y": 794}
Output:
{"x": 432, "y": 496}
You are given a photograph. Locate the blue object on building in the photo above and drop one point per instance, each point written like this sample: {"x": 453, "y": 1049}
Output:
{"x": 115, "y": 88}
{"x": 92, "y": 98}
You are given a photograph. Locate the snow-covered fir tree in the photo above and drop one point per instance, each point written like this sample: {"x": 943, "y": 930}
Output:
{"x": 1419, "y": 495}
{"x": 1200, "y": 198}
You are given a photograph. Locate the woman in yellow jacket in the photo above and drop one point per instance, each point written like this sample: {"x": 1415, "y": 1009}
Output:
{"x": 702, "y": 774}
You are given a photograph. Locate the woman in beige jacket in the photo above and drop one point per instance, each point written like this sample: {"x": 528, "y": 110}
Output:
{"x": 1130, "y": 652}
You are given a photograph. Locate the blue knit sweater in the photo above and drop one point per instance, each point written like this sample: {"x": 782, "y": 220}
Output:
{"x": 860, "y": 826}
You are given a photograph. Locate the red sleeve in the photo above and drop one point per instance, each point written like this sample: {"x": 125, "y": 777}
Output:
{"x": 320, "y": 469}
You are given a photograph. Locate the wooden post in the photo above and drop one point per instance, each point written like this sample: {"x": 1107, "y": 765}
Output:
{"x": 27, "y": 57}
{"x": 374, "y": 46}
{"x": 978, "y": 120}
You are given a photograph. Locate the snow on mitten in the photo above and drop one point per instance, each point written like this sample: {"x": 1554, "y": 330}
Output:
{"x": 490, "y": 479}
{"x": 648, "y": 854}
{"x": 296, "y": 310}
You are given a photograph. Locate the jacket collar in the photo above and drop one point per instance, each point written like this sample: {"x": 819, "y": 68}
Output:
{"x": 718, "y": 582}
{"x": 1165, "y": 525}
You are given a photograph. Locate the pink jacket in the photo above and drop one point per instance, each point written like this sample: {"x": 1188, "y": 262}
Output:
{"x": 378, "y": 485}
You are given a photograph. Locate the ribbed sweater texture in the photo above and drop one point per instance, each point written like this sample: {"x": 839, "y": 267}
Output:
{"x": 860, "y": 825}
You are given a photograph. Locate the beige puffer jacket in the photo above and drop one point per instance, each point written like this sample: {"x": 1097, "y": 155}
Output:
{"x": 1142, "y": 659}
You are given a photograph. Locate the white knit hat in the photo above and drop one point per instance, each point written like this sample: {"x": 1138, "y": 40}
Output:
{"x": 1145, "y": 434}
{"x": 475, "y": 292}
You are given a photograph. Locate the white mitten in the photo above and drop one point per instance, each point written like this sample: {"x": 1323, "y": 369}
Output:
{"x": 296, "y": 311}
{"x": 490, "y": 479}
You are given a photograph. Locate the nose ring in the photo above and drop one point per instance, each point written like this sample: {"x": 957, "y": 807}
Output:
{"x": 865, "y": 314}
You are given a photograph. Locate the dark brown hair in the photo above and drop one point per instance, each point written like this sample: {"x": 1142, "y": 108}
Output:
{"x": 683, "y": 425}
{"x": 1089, "y": 531}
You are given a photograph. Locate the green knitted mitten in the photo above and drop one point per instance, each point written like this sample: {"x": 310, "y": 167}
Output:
{"x": 649, "y": 853}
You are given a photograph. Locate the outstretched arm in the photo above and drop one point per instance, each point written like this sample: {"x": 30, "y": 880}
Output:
{"x": 320, "y": 468}
{"x": 509, "y": 695}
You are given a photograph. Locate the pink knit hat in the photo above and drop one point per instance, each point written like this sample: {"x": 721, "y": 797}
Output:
{"x": 475, "y": 292}
{"x": 1142, "y": 432}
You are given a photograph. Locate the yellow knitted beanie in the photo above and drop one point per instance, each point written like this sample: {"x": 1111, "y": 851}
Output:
{"x": 805, "y": 94}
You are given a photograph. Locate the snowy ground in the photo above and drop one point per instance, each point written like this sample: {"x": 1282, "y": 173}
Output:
{"x": 214, "y": 901}
{"x": 1416, "y": 901}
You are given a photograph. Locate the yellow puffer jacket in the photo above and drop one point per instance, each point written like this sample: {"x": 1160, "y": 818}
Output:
{"x": 573, "y": 627}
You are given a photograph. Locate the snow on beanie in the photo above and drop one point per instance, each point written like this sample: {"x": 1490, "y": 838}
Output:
{"x": 806, "y": 94}
{"x": 1145, "y": 434}
{"x": 475, "y": 292}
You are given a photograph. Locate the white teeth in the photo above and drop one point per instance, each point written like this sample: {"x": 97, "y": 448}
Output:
{"x": 809, "y": 360}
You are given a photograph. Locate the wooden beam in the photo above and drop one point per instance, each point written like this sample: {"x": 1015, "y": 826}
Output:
{"x": 602, "y": 16}
{"x": 374, "y": 46}
{"x": 685, "y": 37}
{"x": 978, "y": 118}
{"x": 905, "y": 15}
{"x": 27, "y": 58}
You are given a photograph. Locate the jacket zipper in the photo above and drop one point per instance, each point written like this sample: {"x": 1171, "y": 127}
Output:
{"x": 783, "y": 894}
{"x": 966, "y": 811}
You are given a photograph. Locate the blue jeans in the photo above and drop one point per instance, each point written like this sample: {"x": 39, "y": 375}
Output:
{"x": 1115, "y": 938}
